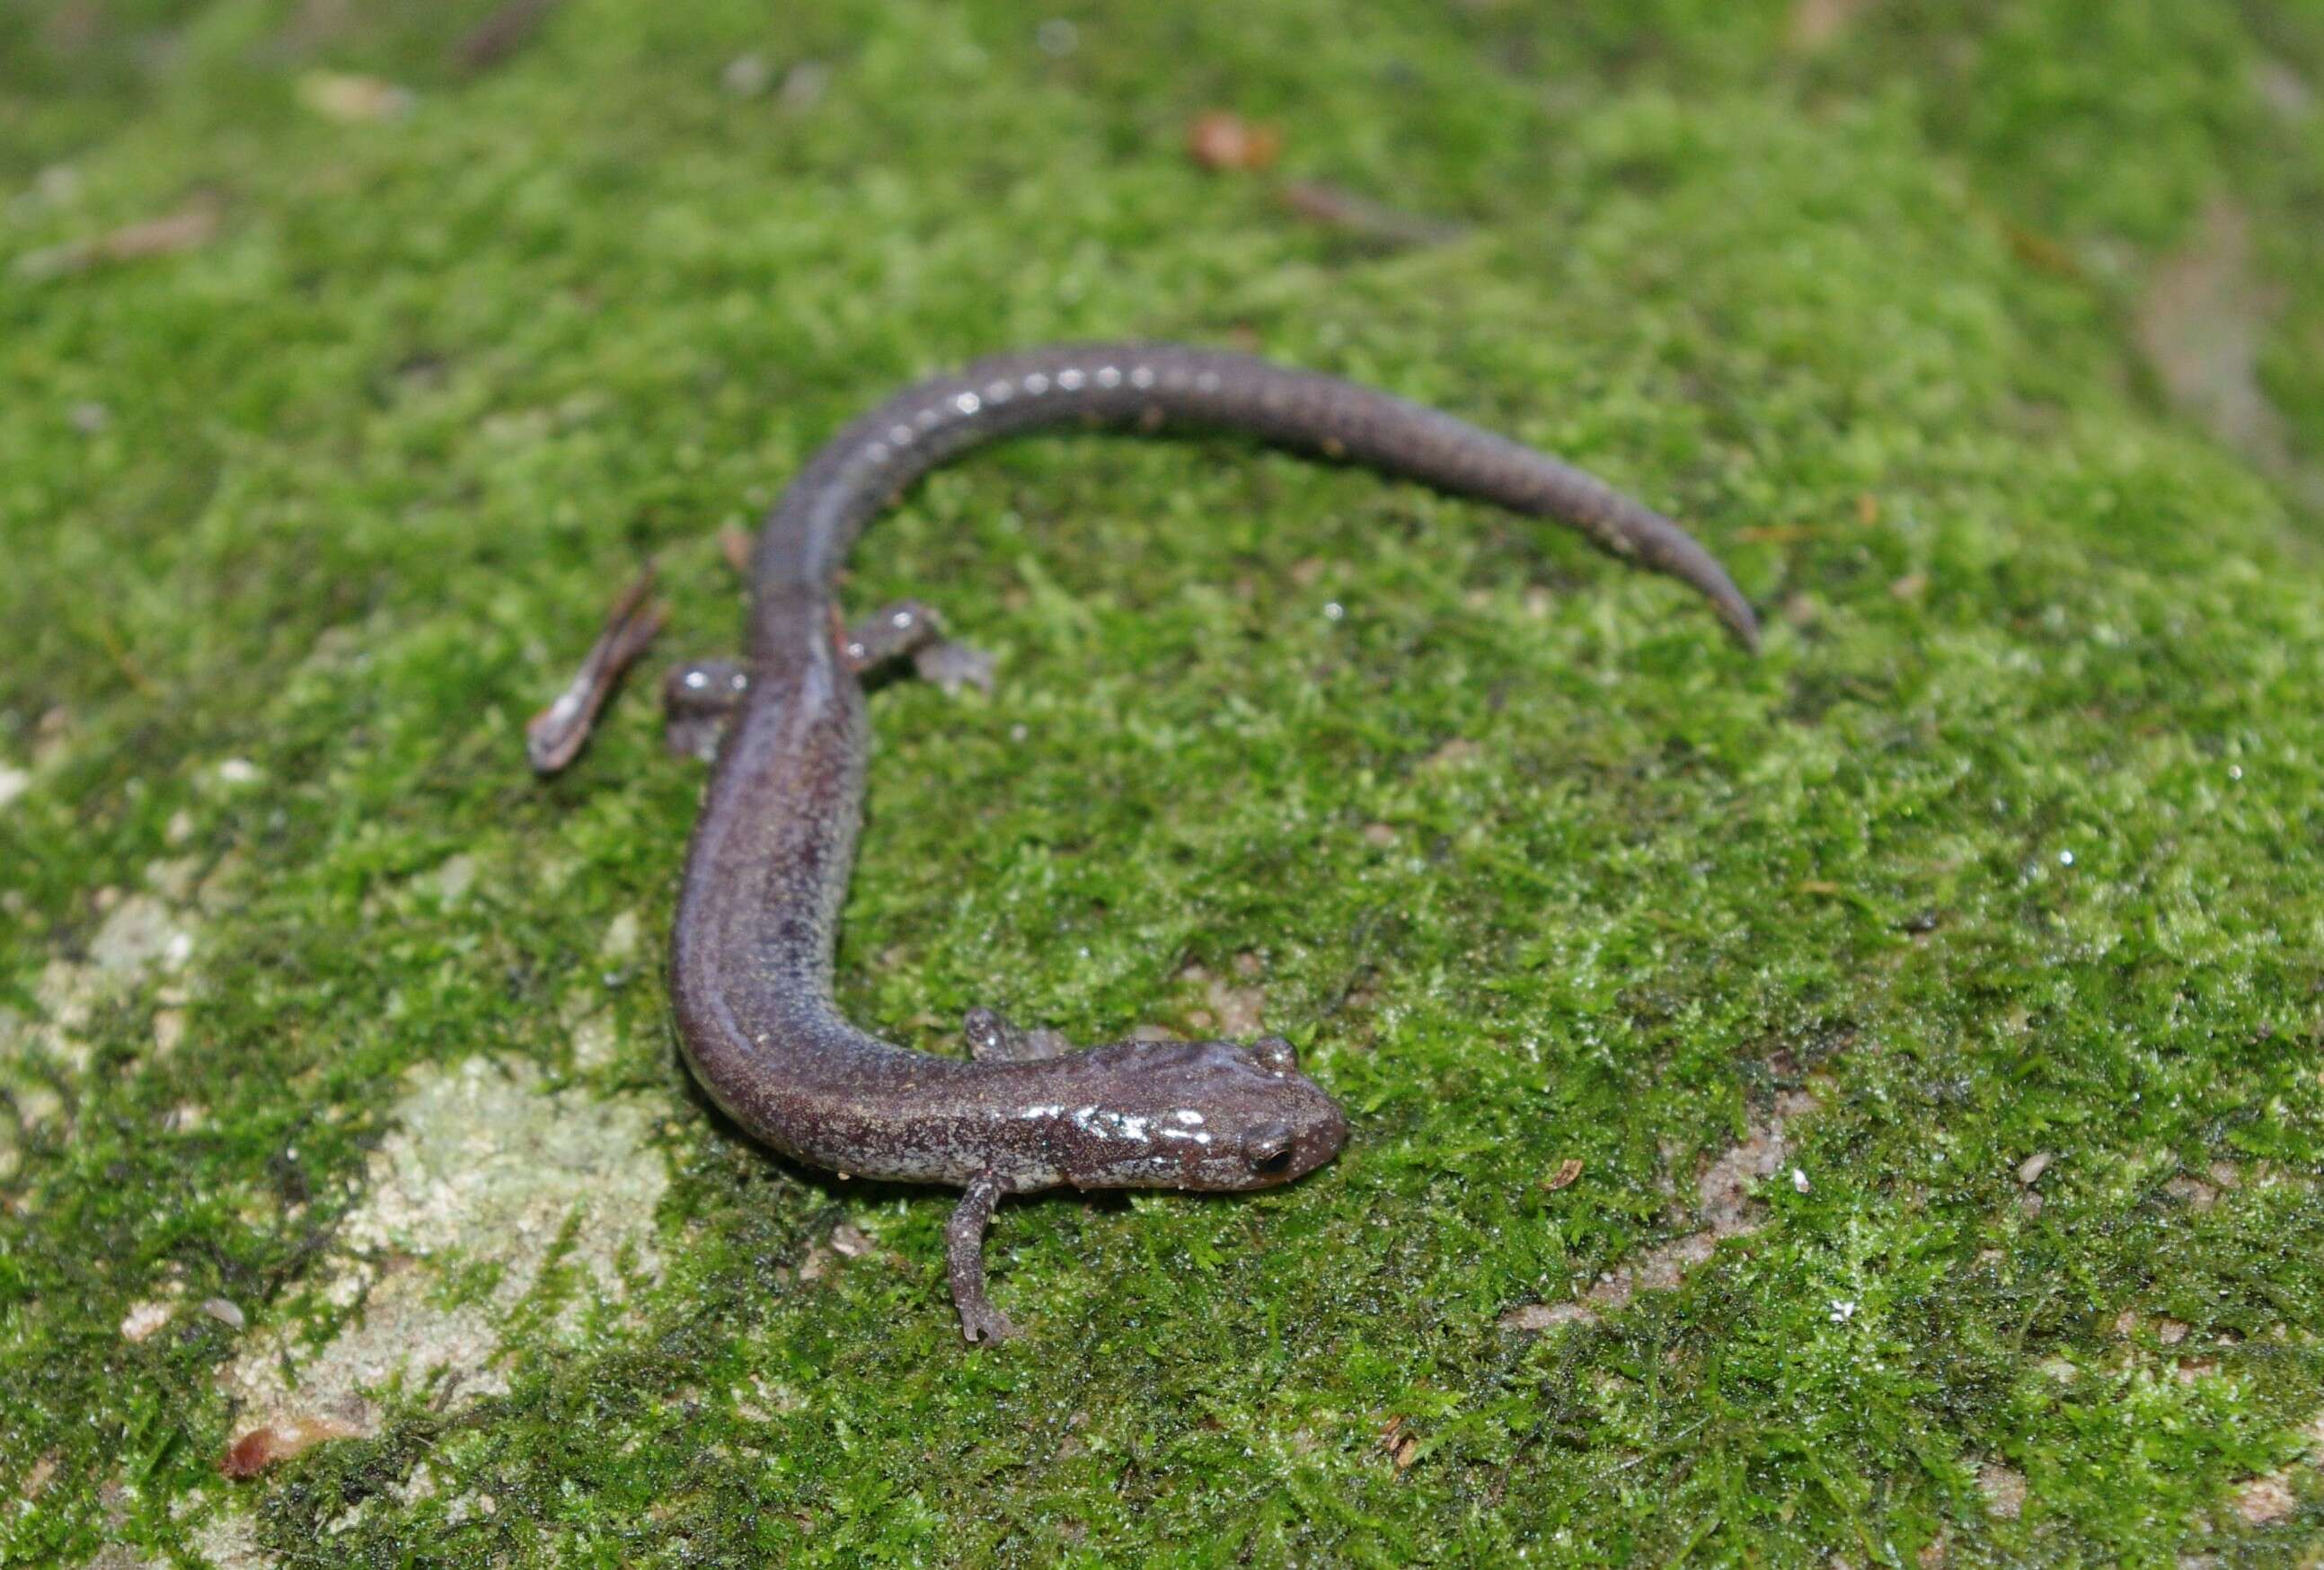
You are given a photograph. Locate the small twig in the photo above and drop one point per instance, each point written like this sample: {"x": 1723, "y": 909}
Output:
{"x": 554, "y": 737}
{"x": 1338, "y": 208}
{"x": 1665, "y": 1449}
{"x": 123, "y": 660}
{"x": 194, "y": 225}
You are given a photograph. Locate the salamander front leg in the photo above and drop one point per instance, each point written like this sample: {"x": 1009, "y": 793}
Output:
{"x": 910, "y": 628}
{"x": 993, "y": 1038}
{"x": 697, "y": 700}
{"x": 965, "y": 1262}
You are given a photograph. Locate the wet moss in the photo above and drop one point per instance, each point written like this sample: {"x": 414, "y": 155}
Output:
{"x": 2005, "y": 848}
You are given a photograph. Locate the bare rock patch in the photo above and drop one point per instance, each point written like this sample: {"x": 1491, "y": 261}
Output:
{"x": 488, "y": 1178}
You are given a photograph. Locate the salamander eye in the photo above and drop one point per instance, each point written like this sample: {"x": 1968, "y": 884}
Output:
{"x": 1268, "y": 1147}
{"x": 1275, "y": 1055}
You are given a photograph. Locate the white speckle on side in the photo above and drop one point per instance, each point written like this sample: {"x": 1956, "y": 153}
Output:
{"x": 1109, "y": 376}
{"x": 998, "y": 391}
{"x": 1141, "y": 377}
{"x": 1102, "y": 1124}
{"x": 900, "y": 434}
{"x": 968, "y": 403}
{"x": 1037, "y": 384}
{"x": 1189, "y": 1117}
{"x": 1070, "y": 380}
{"x": 239, "y": 771}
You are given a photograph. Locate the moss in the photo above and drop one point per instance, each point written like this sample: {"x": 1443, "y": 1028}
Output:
{"x": 2006, "y": 849}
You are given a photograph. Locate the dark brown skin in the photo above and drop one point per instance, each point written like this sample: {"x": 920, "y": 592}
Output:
{"x": 750, "y": 965}
{"x": 553, "y": 738}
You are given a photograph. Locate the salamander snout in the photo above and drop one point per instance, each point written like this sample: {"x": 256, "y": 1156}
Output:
{"x": 1277, "y": 1152}
{"x": 1318, "y": 1134}
{"x": 1291, "y": 1127}
{"x": 1188, "y": 1115}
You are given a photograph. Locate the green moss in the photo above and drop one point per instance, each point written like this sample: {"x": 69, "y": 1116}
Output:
{"x": 2007, "y": 846}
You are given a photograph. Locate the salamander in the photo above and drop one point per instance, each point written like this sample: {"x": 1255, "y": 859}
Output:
{"x": 751, "y": 963}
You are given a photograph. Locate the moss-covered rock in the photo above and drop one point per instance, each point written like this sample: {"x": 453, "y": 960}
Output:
{"x": 1858, "y": 1104}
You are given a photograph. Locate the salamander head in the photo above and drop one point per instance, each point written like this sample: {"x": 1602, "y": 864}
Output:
{"x": 1199, "y": 1114}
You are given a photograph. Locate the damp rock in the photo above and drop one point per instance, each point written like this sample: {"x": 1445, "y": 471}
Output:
{"x": 483, "y": 1172}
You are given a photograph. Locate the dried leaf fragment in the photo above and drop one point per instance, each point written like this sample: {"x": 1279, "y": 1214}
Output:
{"x": 1222, "y": 140}
{"x": 353, "y": 100}
{"x": 191, "y": 226}
{"x": 261, "y": 1447}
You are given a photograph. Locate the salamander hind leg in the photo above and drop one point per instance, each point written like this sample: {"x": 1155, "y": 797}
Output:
{"x": 697, "y": 700}
{"x": 980, "y": 1321}
{"x": 908, "y": 628}
{"x": 554, "y": 737}
{"x": 993, "y": 1038}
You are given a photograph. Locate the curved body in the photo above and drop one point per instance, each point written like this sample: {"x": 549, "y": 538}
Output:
{"x": 773, "y": 847}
